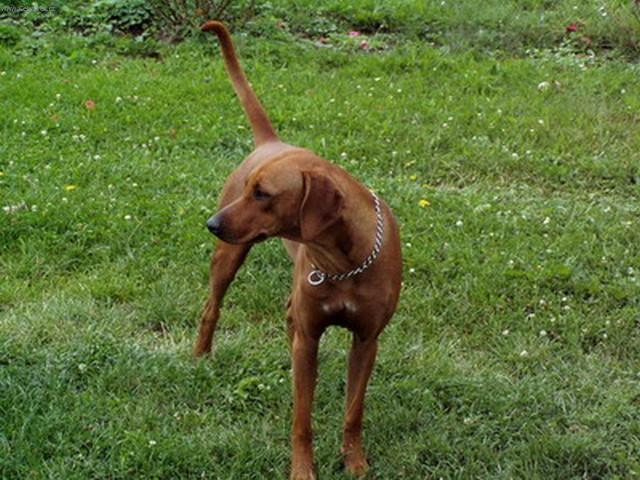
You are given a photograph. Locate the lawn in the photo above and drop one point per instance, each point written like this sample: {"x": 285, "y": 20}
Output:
{"x": 509, "y": 150}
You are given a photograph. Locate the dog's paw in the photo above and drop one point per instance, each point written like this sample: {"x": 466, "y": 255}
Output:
{"x": 355, "y": 462}
{"x": 302, "y": 473}
{"x": 201, "y": 352}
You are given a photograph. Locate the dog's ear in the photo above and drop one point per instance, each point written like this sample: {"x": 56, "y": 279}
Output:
{"x": 321, "y": 204}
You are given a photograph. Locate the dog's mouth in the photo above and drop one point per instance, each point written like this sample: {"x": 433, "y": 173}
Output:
{"x": 229, "y": 236}
{"x": 260, "y": 238}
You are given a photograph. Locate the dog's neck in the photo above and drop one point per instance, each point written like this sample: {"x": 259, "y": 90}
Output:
{"x": 346, "y": 243}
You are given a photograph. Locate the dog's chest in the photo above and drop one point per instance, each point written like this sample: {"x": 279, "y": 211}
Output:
{"x": 339, "y": 307}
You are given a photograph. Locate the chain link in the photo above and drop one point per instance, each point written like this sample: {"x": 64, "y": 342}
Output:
{"x": 317, "y": 276}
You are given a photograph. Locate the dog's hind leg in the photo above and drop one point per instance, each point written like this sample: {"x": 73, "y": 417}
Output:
{"x": 225, "y": 262}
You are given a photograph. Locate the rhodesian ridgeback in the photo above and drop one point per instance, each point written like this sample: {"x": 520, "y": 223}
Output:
{"x": 345, "y": 245}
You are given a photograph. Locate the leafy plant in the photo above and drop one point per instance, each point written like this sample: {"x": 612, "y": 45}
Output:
{"x": 176, "y": 19}
{"x": 9, "y": 35}
{"x": 120, "y": 16}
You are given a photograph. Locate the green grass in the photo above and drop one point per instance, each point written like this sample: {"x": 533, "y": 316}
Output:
{"x": 494, "y": 25}
{"x": 515, "y": 351}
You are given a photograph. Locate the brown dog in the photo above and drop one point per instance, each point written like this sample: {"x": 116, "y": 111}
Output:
{"x": 346, "y": 248}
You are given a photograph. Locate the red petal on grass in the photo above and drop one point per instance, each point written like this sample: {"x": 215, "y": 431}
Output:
{"x": 354, "y": 33}
{"x": 572, "y": 28}
{"x": 90, "y": 105}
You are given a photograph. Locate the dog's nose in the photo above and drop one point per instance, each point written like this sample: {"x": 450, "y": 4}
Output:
{"x": 215, "y": 225}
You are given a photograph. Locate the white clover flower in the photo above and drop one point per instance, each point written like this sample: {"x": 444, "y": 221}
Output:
{"x": 542, "y": 86}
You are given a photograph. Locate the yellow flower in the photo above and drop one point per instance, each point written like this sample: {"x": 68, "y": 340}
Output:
{"x": 424, "y": 202}
{"x": 70, "y": 188}
{"x": 413, "y": 177}
{"x": 1, "y": 174}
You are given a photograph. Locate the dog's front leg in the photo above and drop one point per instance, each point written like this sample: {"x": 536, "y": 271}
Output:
{"x": 225, "y": 262}
{"x": 304, "y": 353}
{"x": 361, "y": 360}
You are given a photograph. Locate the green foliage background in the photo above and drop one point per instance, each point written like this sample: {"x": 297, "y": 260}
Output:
{"x": 507, "y": 145}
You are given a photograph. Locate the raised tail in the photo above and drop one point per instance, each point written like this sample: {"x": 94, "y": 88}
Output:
{"x": 263, "y": 131}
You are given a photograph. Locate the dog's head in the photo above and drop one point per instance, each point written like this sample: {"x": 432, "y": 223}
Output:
{"x": 287, "y": 197}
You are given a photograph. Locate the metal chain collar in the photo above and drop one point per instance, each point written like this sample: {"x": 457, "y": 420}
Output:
{"x": 317, "y": 276}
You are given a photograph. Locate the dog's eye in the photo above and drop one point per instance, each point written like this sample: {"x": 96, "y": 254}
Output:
{"x": 260, "y": 194}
